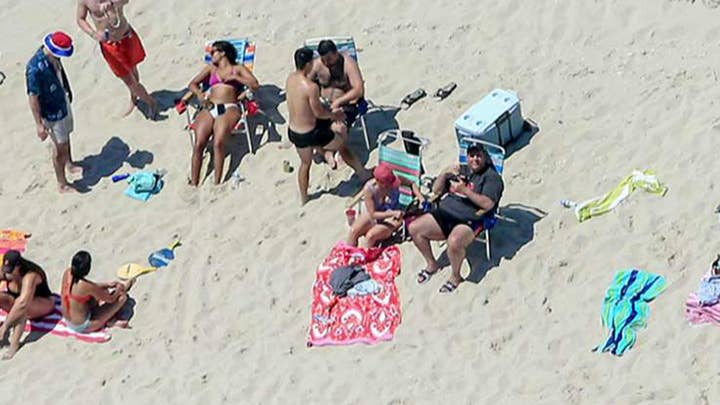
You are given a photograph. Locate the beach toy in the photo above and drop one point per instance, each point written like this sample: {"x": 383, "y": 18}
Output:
{"x": 132, "y": 271}
{"x": 445, "y": 91}
{"x": 412, "y": 98}
{"x": 162, "y": 257}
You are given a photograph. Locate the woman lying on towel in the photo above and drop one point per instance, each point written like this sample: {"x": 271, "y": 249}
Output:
{"x": 382, "y": 216}
{"x": 24, "y": 294}
{"x": 88, "y": 306}
{"x": 227, "y": 80}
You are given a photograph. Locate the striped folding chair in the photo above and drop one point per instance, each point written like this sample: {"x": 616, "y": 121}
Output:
{"x": 497, "y": 157}
{"x": 346, "y": 44}
{"x": 405, "y": 162}
{"x": 246, "y": 53}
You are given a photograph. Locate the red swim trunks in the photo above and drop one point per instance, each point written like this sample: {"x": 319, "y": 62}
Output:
{"x": 124, "y": 55}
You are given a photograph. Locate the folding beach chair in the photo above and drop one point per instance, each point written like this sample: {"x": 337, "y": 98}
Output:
{"x": 405, "y": 162}
{"x": 497, "y": 157}
{"x": 246, "y": 55}
{"x": 346, "y": 44}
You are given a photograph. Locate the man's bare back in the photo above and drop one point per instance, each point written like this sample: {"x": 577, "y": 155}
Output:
{"x": 300, "y": 92}
{"x": 108, "y": 16}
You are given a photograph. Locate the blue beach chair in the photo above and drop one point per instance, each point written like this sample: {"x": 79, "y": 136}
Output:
{"x": 497, "y": 157}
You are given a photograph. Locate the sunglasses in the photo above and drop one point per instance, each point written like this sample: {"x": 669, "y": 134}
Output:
{"x": 475, "y": 154}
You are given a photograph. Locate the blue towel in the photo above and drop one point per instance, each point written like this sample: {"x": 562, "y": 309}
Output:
{"x": 143, "y": 185}
{"x": 626, "y": 309}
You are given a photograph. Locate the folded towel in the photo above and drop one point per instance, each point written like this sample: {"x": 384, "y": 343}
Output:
{"x": 703, "y": 306}
{"x": 625, "y": 308}
{"x": 644, "y": 180}
{"x": 55, "y": 324}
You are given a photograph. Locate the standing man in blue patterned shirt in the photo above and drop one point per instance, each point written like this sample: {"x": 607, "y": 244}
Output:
{"x": 50, "y": 96}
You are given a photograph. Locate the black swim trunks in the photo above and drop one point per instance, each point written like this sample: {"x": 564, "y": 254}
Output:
{"x": 319, "y": 136}
{"x": 448, "y": 222}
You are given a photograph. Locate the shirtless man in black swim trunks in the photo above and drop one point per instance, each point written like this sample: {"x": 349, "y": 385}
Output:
{"x": 311, "y": 125}
{"x": 341, "y": 82}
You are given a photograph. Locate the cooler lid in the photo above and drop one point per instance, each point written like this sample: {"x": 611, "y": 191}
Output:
{"x": 485, "y": 112}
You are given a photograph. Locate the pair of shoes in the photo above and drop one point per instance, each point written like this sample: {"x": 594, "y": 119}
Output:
{"x": 420, "y": 93}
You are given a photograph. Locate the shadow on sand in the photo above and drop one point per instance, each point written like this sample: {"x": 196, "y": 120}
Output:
{"x": 111, "y": 158}
{"x": 515, "y": 229}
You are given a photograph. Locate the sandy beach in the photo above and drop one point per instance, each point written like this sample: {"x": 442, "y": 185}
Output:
{"x": 612, "y": 86}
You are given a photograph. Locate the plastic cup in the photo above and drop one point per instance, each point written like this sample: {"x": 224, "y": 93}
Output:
{"x": 351, "y": 214}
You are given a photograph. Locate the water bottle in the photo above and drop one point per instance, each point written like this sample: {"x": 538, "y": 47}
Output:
{"x": 120, "y": 177}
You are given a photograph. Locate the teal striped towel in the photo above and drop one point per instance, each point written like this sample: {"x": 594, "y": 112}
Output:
{"x": 626, "y": 309}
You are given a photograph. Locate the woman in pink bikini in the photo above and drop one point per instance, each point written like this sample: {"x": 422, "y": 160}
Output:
{"x": 88, "y": 306}
{"x": 228, "y": 81}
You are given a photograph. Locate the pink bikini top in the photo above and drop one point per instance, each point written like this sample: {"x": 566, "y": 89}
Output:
{"x": 215, "y": 79}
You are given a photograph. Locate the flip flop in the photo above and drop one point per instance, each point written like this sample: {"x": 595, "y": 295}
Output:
{"x": 448, "y": 288}
{"x": 412, "y": 98}
{"x": 445, "y": 91}
{"x": 132, "y": 271}
{"x": 424, "y": 276}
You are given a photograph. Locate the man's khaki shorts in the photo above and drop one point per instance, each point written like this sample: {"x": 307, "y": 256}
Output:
{"x": 60, "y": 130}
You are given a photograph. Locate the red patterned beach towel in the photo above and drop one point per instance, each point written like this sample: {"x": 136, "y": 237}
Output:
{"x": 366, "y": 319}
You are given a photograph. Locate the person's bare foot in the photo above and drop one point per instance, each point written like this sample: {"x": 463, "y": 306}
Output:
{"x": 153, "y": 109}
{"x": 14, "y": 347}
{"x": 118, "y": 323}
{"x": 304, "y": 200}
{"x": 74, "y": 169}
{"x": 330, "y": 159}
{"x": 66, "y": 189}
{"x": 133, "y": 104}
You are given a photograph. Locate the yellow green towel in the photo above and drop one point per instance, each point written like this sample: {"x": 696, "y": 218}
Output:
{"x": 644, "y": 180}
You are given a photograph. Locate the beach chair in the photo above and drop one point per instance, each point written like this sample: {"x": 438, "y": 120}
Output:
{"x": 346, "y": 44}
{"x": 406, "y": 161}
{"x": 246, "y": 55}
{"x": 497, "y": 157}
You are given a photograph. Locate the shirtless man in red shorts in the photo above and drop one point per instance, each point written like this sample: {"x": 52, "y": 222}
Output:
{"x": 119, "y": 43}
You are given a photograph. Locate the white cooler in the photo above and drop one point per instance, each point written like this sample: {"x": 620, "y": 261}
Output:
{"x": 496, "y": 118}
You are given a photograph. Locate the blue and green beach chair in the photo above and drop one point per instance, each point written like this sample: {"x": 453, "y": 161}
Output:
{"x": 496, "y": 154}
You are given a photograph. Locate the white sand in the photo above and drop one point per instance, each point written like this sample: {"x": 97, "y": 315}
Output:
{"x": 613, "y": 86}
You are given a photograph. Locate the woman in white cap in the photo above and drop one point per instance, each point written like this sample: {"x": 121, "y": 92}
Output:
{"x": 50, "y": 96}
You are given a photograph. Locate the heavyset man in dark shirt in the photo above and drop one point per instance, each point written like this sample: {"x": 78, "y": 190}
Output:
{"x": 465, "y": 199}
